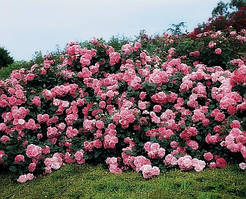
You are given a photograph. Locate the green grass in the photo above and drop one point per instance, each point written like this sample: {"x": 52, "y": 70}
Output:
{"x": 72, "y": 182}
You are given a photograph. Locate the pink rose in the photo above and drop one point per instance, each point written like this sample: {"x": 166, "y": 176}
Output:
{"x": 149, "y": 171}
{"x": 242, "y": 165}
{"x": 32, "y": 167}
{"x": 218, "y": 51}
{"x": 36, "y": 101}
{"x": 79, "y": 156}
{"x": 46, "y": 150}
{"x": 99, "y": 124}
{"x": 212, "y": 165}
{"x": 157, "y": 108}
{"x": 19, "y": 158}
{"x": 221, "y": 163}
{"x": 25, "y": 177}
{"x": 33, "y": 151}
{"x": 208, "y": 156}
{"x": 4, "y": 139}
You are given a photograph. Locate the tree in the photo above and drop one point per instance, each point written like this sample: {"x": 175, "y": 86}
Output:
{"x": 5, "y": 58}
{"x": 237, "y": 4}
{"x": 221, "y": 9}
{"x": 225, "y": 16}
{"x": 176, "y": 29}
{"x": 227, "y": 9}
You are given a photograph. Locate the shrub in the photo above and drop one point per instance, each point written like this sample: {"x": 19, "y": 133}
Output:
{"x": 128, "y": 109}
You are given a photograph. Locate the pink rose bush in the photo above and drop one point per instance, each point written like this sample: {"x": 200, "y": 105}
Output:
{"x": 128, "y": 109}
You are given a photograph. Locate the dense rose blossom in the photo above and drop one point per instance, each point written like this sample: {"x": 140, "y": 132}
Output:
{"x": 166, "y": 108}
{"x": 158, "y": 77}
{"x": 235, "y": 124}
{"x": 46, "y": 150}
{"x": 212, "y": 139}
{"x": 195, "y": 53}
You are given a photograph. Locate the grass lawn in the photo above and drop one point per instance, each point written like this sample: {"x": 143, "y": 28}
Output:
{"x": 73, "y": 181}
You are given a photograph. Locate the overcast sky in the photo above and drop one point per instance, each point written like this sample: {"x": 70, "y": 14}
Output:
{"x": 27, "y": 26}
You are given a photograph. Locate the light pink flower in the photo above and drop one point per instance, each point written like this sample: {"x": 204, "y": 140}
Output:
{"x": 242, "y": 165}
{"x": 79, "y": 156}
{"x": 33, "y": 151}
{"x": 25, "y": 177}
{"x": 148, "y": 171}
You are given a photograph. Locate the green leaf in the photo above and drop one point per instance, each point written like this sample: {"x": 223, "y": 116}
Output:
{"x": 13, "y": 169}
{"x": 199, "y": 138}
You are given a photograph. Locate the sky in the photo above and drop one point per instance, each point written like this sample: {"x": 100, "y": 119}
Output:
{"x": 27, "y": 26}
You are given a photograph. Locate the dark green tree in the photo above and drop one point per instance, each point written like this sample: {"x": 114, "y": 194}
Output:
{"x": 5, "y": 58}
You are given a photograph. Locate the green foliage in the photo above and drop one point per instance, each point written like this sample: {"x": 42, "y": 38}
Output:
{"x": 117, "y": 41}
{"x": 5, "y": 58}
{"x": 6, "y": 71}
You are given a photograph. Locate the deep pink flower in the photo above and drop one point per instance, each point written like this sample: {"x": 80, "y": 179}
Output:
{"x": 221, "y": 163}
{"x": 208, "y": 156}
{"x": 37, "y": 101}
{"x": 4, "y": 139}
{"x": 19, "y": 158}
{"x": 32, "y": 167}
